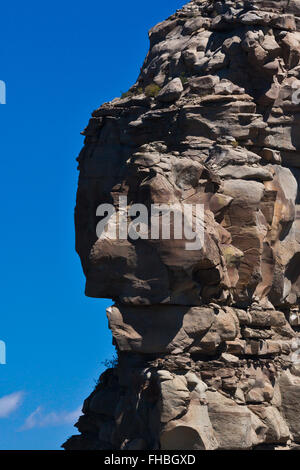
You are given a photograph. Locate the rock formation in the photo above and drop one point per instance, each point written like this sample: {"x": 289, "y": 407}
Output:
{"x": 207, "y": 339}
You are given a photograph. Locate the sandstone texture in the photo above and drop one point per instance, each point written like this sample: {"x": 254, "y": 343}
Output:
{"x": 208, "y": 340}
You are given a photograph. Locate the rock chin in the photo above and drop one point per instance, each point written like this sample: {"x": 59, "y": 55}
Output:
{"x": 207, "y": 338}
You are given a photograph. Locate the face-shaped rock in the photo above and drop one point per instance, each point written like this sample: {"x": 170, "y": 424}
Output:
{"x": 212, "y": 122}
{"x": 206, "y": 328}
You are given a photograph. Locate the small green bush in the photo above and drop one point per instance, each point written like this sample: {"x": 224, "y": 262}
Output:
{"x": 110, "y": 363}
{"x": 183, "y": 78}
{"x": 130, "y": 94}
{"x": 127, "y": 94}
{"x": 235, "y": 144}
{"x": 152, "y": 90}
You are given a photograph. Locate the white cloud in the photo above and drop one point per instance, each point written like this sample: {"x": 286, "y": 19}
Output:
{"x": 39, "y": 419}
{"x": 10, "y": 403}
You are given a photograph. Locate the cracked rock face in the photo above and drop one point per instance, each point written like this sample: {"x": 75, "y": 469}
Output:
{"x": 207, "y": 338}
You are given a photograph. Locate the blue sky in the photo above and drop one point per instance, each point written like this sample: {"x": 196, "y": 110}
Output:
{"x": 60, "y": 61}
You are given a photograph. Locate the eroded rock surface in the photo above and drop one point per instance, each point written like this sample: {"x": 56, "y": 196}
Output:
{"x": 207, "y": 339}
